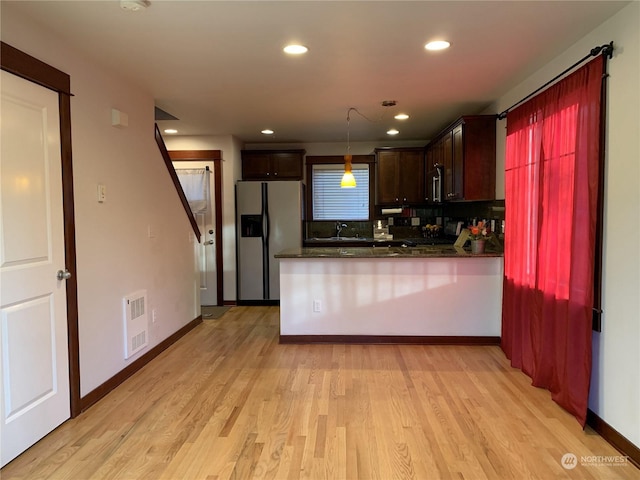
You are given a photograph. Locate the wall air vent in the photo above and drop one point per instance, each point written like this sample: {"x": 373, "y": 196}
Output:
{"x": 136, "y": 331}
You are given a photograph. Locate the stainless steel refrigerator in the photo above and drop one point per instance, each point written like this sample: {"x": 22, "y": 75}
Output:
{"x": 268, "y": 219}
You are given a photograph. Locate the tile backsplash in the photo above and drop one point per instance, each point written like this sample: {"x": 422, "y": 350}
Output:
{"x": 328, "y": 229}
{"x": 409, "y": 223}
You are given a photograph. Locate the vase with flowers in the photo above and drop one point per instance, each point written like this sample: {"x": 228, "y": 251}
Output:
{"x": 478, "y": 234}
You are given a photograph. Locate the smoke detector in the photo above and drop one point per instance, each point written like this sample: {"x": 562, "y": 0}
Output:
{"x": 389, "y": 103}
{"x": 134, "y": 5}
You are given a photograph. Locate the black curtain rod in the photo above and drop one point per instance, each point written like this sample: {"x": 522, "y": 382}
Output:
{"x": 602, "y": 49}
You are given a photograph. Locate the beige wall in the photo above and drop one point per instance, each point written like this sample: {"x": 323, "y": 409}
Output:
{"x": 615, "y": 383}
{"x": 115, "y": 255}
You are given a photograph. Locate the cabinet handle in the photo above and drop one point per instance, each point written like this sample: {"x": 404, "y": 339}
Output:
{"x": 268, "y": 174}
{"x": 275, "y": 174}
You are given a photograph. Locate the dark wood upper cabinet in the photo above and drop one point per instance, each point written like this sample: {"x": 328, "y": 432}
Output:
{"x": 272, "y": 164}
{"x": 399, "y": 176}
{"x": 467, "y": 152}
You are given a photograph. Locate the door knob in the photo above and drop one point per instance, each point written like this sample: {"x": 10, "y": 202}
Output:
{"x": 63, "y": 274}
{"x": 210, "y": 242}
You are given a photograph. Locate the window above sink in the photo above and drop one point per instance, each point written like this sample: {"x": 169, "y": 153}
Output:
{"x": 326, "y": 201}
{"x": 331, "y": 202}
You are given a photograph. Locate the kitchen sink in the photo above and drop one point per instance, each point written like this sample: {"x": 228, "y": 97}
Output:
{"x": 340, "y": 239}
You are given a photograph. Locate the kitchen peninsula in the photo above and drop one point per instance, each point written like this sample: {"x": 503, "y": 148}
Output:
{"x": 428, "y": 294}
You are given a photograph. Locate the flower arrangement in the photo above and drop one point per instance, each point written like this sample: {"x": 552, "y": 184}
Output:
{"x": 480, "y": 231}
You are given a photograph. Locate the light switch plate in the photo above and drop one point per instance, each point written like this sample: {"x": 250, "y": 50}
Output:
{"x": 415, "y": 221}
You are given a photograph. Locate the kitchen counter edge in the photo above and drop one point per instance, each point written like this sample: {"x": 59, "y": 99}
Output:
{"x": 426, "y": 251}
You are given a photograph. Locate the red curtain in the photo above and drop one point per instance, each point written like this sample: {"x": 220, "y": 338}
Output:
{"x": 551, "y": 189}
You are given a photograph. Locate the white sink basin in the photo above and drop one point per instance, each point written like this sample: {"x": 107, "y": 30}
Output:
{"x": 340, "y": 239}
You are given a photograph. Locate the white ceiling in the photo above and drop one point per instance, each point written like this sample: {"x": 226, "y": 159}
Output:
{"x": 219, "y": 67}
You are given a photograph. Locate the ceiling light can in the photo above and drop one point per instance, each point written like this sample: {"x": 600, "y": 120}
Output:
{"x": 401, "y": 116}
{"x": 295, "y": 49}
{"x": 267, "y": 131}
{"x": 437, "y": 45}
{"x": 393, "y": 131}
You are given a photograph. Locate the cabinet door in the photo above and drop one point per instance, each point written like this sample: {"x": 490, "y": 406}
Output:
{"x": 457, "y": 189}
{"x": 431, "y": 173}
{"x": 286, "y": 166}
{"x": 479, "y": 144}
{"x": 447, "y": 163}
{"x": 387, "y": 178}
{"x": 255, "y": 166}
{"x": 411, "y": 177}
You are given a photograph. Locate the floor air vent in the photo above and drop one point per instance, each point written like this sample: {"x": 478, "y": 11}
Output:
{"x": 136, "y": 334}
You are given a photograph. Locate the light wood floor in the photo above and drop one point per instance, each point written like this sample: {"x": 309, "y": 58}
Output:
{"x": 228, "y": 402}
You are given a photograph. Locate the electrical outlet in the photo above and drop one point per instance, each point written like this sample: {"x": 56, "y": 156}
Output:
{"x": 317, "y": 306}
{"x": 154, "y": 317}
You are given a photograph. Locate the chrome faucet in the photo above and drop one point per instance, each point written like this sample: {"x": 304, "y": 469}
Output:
{"x": 339, "y": 227}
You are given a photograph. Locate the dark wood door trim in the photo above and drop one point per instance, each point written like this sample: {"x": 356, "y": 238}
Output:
{"x": 216, "y": 157}
{"x": 25, "y": 66}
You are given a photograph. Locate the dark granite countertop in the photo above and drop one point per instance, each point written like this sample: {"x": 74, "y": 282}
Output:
{"x": 423, "y": 251}
{"x": 373, "y": 242}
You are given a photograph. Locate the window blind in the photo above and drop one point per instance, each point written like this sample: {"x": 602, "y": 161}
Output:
{"x": 330, "y": 202}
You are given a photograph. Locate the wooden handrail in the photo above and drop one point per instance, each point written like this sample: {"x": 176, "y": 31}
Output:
{"x": 176, "y": 182}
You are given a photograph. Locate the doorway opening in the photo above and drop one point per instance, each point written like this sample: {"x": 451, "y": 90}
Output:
{"x": 209, "y": 221}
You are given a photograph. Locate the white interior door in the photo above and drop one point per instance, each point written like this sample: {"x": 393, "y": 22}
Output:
{"x": 207, "y": 247}
{"x": 34, "y": 360}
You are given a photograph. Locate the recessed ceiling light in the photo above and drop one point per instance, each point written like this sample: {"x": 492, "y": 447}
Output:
{"x": 267, "y": 131}
{"x": 295, "y": 49}
{"x": 170, "y": 130}
{"x": 393, "y": 131}
{"x": 401, "y": 116}
{"x": 437, "y": 45}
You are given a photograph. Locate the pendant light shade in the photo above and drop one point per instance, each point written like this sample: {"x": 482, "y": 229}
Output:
{"x": 348, "y": 180}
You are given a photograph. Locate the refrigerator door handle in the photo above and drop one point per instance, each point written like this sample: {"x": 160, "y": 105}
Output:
{"x": 265, "y": 242}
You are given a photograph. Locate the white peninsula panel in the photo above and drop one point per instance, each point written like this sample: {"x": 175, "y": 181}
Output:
{"x": 397, "y": 296}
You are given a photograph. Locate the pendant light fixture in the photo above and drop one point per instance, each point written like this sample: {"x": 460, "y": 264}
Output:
{"x": 348, "y": 180}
